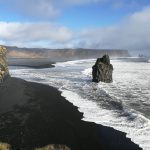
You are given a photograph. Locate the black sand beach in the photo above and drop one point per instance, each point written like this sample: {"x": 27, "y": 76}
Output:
{"x": 35, "y": 115}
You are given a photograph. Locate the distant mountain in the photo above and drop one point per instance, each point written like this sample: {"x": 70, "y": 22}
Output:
{"x": 63, "y": 54}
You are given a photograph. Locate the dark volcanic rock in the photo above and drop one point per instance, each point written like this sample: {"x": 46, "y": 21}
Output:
{"x": 102, "y": 70}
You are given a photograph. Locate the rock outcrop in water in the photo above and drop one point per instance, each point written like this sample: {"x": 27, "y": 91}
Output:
{"x": 3, "y": 64}
{"x": 102, "y": 70}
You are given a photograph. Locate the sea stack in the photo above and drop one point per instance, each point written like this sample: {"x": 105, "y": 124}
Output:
{"x": 3, "y": 64}
{"x": 102, "y": 70}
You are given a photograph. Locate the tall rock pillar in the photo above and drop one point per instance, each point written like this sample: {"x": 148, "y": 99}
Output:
{"x": 102, "y": 70}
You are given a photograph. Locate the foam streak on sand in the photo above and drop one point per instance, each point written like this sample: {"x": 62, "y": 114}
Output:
{"x": 123, "y": 105}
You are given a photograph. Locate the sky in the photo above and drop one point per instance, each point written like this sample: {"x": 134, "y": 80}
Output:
{"x": 100, "y": 24}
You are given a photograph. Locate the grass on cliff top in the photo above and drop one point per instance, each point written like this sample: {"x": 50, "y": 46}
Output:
{"x": 54, "y": 147}
{"x": 5, "y": 146}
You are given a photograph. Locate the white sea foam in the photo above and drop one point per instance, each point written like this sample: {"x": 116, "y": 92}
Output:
{"x": 87, "y": 72}
{"x": 121, "y": 104}
{"x": 138, "y": 130}
{"x": 72, "y": 63}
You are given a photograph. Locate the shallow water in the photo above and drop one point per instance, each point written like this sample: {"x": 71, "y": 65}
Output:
{"x": 123, "y": 104}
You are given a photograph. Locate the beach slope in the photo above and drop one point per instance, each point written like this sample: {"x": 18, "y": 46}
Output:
{"x": 33, "y": 115}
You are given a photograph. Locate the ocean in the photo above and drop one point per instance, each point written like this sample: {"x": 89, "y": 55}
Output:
{"x": 123, "y": 104}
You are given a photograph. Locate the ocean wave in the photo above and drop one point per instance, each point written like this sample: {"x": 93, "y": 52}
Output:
{"x": 138, "y": 130}
{"x": 73, "y": 63}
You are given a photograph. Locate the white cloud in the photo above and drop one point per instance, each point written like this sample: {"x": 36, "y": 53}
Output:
{"x": 33, "y": 33}
{"x": 130, "y": 4}
{"x": 51, "y": 9}
{"x": 39, "y": 8}
{"x": 132, "y": 33}
{"x": 82, "y": 2}
{"x": 42, "y": 9}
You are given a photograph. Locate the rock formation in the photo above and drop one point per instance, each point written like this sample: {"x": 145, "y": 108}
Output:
{"x": 3, "y": 64}
{"x": 102, "y": 70}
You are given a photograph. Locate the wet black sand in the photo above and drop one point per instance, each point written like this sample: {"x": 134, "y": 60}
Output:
{"x": 34, "y": 115}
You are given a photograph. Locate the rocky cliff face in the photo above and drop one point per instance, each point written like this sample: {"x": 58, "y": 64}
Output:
{"x": 102, "y": 70}
{"x": 3, "y": 64}
{"x": 63, "y": 54}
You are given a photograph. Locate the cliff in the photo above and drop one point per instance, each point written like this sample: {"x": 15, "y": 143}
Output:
{"x": 3, "y": 64}
{"x": 63, "y": 54}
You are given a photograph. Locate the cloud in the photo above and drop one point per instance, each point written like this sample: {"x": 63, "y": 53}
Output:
{"x": 52, "y": 9}
{"x": 35, "y": 9}
{"x": 30, "y": 33}
{"x": 130, "y": 4}
{"x": 132, "y": 33}
{"x": 41, "y": 9}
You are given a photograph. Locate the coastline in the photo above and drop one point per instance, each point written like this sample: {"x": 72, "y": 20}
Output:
{"x": 35, "y": 115}
{"x": 31, "y": 63}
